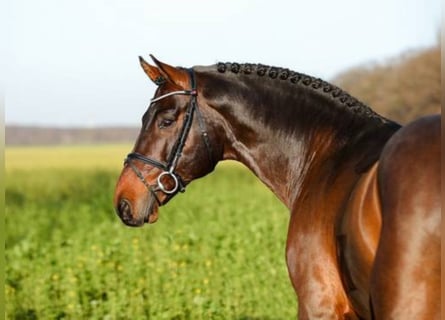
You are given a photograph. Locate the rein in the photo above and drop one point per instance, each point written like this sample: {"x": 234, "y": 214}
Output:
{"x": 169, "y": 168}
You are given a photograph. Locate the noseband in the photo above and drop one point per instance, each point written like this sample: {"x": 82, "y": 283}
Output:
{"x": 169, "y": 168}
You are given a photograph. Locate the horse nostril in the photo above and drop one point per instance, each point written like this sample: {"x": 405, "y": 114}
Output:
{"x": 124, "y": 209}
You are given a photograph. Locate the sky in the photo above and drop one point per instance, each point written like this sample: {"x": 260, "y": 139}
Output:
{"x": 75, "y": 63}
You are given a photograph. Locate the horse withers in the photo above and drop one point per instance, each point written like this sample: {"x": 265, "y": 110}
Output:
{"x": 362, "y": 191}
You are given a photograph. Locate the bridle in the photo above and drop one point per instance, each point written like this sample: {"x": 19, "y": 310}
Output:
{"x": 169, "y": 167}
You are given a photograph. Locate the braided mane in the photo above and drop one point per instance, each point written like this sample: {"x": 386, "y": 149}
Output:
{"x": 300, "y": 79}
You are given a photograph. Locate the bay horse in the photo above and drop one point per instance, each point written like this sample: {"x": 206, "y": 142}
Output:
{"x": 363, "y": 192}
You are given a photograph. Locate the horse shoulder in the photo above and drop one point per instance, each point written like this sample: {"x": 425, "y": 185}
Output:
{"x": 357, "y": 240}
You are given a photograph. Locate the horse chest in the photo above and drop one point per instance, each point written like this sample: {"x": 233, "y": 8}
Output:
{"x": 357, "y": 240}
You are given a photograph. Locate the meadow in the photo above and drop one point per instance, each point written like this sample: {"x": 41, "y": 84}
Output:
{"x": 216, "y": 252}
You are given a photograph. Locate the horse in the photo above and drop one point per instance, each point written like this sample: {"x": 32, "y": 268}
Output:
{"x": 363, "y": 192}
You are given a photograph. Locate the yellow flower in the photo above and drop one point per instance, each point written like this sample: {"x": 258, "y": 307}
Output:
{"x": 9, "y": 289}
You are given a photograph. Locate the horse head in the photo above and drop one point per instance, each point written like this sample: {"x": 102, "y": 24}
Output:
{"x": 176, "y": 145}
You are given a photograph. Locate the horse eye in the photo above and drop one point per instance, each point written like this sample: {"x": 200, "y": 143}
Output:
{"x": 165, "y": 123}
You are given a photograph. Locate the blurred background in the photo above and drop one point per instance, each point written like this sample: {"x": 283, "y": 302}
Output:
{"x": 74, "y": 63}
{"x": 74, "y": 97}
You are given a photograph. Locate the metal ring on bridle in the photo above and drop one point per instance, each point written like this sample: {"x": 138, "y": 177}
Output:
{"x": 161, "y": 185}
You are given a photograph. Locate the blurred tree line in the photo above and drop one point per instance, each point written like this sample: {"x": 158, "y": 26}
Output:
{"x": 401, "y": 89}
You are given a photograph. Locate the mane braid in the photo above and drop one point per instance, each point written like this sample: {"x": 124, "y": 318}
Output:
{"x": 282, "y": 74}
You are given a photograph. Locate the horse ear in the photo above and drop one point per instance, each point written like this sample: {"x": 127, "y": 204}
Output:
{"x": 177, "y": 76}
{"x": 152, "y": 72}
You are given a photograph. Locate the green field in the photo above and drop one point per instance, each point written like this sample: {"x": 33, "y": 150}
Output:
{"x": 217, "y": 251}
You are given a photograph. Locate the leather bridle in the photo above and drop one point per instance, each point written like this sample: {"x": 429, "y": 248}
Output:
{"x": 169, "y": 168}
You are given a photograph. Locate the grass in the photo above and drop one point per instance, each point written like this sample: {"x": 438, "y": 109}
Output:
{"x": 106, "y": 157}
{"x": 217, "y": 251}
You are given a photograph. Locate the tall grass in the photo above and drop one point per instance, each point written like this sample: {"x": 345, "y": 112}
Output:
{"x": 217, "y": 251}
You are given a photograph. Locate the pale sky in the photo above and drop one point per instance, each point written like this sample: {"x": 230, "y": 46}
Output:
{"x": 75, "y": 63}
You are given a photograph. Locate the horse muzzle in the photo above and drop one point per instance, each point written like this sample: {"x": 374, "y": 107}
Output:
{"x": 136, "y": 218}
{"x": 133, "y": 204}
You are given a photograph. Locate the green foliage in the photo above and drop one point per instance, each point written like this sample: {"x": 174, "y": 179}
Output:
{"x": 217, "y": 251}
{"x": 402, "y": 89}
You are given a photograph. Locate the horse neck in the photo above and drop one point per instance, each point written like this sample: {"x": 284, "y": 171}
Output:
{"x": 289, "y": 134}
